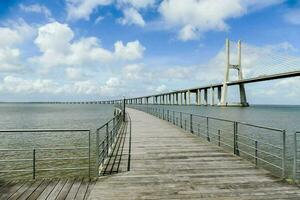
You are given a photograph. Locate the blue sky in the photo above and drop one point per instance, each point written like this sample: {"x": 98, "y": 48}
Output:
{"x": 102, "y": 49}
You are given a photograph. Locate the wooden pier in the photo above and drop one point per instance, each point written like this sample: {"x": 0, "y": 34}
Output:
{"x": 168, "y": 163}
{"x": 78, "y": 189}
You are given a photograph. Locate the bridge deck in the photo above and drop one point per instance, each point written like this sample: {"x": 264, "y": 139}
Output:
{"x": 168, "y": 163}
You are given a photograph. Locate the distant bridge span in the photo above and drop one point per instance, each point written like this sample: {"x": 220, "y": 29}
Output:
{"x": 182, "y": 96}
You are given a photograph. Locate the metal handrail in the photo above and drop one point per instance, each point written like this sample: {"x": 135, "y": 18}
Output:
{"x": 104, "y": 147}
{"x": 187, "y": 122}
{"x": 34, "y": 158}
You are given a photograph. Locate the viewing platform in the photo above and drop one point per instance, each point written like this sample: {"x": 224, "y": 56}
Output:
{"x": 169, "y": 163}
{"x": 180, "y": 157}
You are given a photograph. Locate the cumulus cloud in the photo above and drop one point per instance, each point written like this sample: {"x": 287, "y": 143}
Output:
{"x": 74, "y": 73}
{"x": 293, "y": 16}
{"x": 36, "y": 8}
{"x": 131, "y": 51}
{"x": 138, "y": 4}
{"x": 18, "y": 85}
{"x": 11, "y": 37}
{"x": 131, "y": 11}
{"x": 133, "y": 72}
{"x": 56, "y": 42}
{"x": 161, "y": 89}
{"x": 82, "y": 9}
{"x": 132, "y": 16}
{"x": 195, "y": 17}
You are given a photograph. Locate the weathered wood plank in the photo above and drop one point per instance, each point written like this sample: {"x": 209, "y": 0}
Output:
{"x": 48, "y": 190}
{"x": 65, "y": 190}
{"x": 39, "y": 190}
{"x": 55, "y": 192}
{"x": 82, "y": 190}
{"x": 30, "y": 190}
{"x": 73, "y": 192}
{"x": 10, "y": 189}
{"x": 168, "y": 163}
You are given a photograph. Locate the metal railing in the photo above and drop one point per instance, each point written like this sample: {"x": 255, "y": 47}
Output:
{"x": 40, "y": 155}
{"x": 243, "y": 139}
{"x": 109, "y": 132}
{"x": 296, "y": 160}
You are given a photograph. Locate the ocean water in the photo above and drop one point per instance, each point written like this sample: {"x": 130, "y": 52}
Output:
{"x": 19, "y": 146}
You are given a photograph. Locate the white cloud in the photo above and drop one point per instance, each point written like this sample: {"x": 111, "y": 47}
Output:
{"x": 17, "y": 85}
{"x": 54, "y": 37}
{"x": 293, "y": 17}
{"x": 132, "y": 16}
{"x": 10, "y": 59}
{"x": 82, "y": 9}
{"x": 131, "y": 51}
{"x": 138, "y": 4}
{"x": 195, "y": 17}
{"x": 74, "y": 73}
{"x": 161, "y": 89}
{"x": 55, "y": 41}
{"x": 133, "y": 72}
{"x": 11, "y": 37}
{"x": 98, "y": 19}
{"x": 36, "y": 8}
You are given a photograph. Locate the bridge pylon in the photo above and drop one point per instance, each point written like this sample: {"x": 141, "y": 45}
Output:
{"x": 238, "y": 67}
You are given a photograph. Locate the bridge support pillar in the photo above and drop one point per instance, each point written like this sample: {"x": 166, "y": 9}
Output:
{"x": 238, "y": 67}
{"x": 205, "y": 97}
{"x": 198, "y": 97}
{"x": 212, "y": 96}
{"x": 189, "y": 97}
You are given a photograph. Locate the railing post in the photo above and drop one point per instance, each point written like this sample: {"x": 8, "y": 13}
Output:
{"x": 207, "y": 129}
{"x": 124, "y": 111}
{"x": 180, "y": 119}
{"x": 107, "y": 140}
{"x": 219, "y": 137}
{"x": 174, "y": 117}
{"x": 191, "y": 123}
{"x": 163, "y": 114}
{"x": 97, "y": 152}
{"x": 89, "y": 154}
{"x": 114, "y": 127}
{"x": 168, "y": 115}
{"x": 33, "y": 164}
{"x": 235, "y": 139}
{"x": 295, "y": 158}
{"x": 256, "y": 146}
{"x": 283, "y": 152}
{"x": 129, "y": 150}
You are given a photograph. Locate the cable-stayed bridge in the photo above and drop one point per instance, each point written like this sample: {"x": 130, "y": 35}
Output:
{"x": 238, "y": 65}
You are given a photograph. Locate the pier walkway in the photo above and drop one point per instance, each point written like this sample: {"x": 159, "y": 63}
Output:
{"x": 169, "y": 163}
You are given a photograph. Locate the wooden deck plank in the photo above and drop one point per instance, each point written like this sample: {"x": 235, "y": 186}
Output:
{"x": 82, "y": 190}
{"x": 30, "y": 190}
{"x": 55, "y": 192}
{"x": 21, "y": 191}
{"x": 73, "y": 192}
{"x": 48, "y": 190}
{"x": 65, "y": 190}
{"x": 39, "y": 190}
{"x": 10, "y": 190}
{"x": 169, "y": 163}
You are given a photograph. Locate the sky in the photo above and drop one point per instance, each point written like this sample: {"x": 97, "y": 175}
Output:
{"x": 73, "y": 50}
